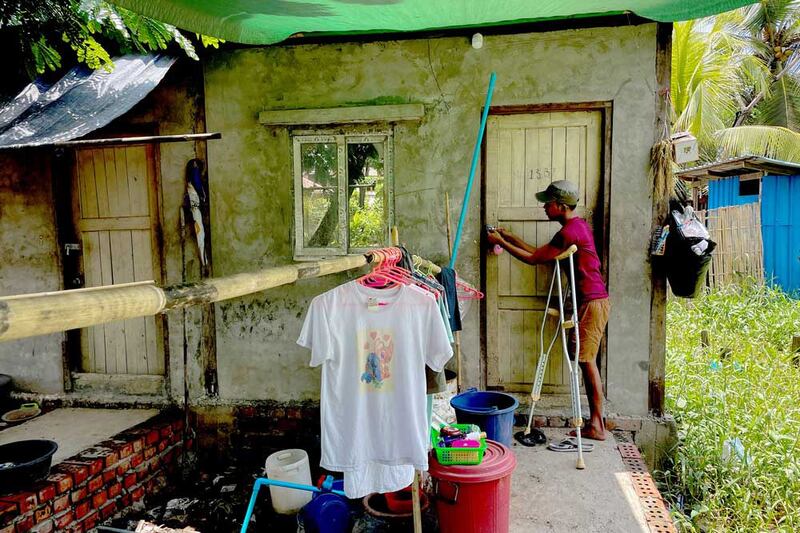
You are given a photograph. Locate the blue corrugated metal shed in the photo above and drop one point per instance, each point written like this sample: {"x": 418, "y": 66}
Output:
{"x": 780, "y": 223}
{"x": 725, "y": 192}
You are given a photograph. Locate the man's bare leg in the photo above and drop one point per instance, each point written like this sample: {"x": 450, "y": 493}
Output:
{"x": 594, "y": 392}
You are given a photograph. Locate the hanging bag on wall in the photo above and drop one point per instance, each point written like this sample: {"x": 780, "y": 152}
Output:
{"x": 688, "y": 252}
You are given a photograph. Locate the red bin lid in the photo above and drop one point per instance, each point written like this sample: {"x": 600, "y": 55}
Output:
{"x": 498, "y": 462}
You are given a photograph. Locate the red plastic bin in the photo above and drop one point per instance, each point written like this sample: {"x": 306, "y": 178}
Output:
{"x": 474, "y": 498}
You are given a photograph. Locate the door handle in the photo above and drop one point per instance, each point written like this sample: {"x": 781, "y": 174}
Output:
{"x": 71, "y": 247}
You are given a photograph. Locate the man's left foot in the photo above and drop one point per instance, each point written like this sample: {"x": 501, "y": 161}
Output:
{"x": 590, "y": 432}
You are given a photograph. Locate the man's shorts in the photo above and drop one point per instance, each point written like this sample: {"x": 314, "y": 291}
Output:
{"x": 592, "y": 319}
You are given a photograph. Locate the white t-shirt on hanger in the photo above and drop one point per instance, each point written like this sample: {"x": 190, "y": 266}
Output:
{"x": 373, "y": 345}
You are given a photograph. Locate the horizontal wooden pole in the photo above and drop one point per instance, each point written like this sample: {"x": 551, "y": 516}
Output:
{"x": 28, "y": 315}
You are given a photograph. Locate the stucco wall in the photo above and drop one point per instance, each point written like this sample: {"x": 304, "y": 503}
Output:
{"x": 251, "y": 184}
{"x": 29, "y": 262}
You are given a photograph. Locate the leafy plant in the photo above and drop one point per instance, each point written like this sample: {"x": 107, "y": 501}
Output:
{"x": 736, "y": 81}
{"x": 94, "y": 30}
{"x": 737, "y": 405}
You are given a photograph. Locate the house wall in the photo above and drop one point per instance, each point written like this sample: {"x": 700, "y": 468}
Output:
{"x": 251, "y": 177}
{"x": 29, "y": 262}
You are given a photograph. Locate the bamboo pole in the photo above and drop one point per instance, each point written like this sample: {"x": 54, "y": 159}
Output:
{"x": 28, "y": 315}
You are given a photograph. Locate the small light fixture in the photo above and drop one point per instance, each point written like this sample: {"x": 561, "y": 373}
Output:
{"x": 477, "y": 41}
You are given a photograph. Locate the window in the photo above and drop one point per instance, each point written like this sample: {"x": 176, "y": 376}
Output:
{"x": 343, "y": 193}
{"x": 749, "y": 187}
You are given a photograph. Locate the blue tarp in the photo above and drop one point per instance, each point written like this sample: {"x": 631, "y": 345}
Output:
{"x": 80, "y": 102}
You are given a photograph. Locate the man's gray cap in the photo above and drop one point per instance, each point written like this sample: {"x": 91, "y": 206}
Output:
{"x": 562, "y": 191}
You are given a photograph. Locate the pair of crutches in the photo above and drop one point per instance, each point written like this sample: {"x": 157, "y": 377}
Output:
{"x": 564, "y": 324}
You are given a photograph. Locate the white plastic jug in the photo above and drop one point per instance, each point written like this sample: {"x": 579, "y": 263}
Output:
{"x": 292, "y": 466}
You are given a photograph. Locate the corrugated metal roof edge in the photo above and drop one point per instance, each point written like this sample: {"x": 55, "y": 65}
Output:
{"x": 791, "y": 168}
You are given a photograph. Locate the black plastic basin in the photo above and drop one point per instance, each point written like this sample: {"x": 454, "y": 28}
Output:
{"x": 24, "y": 462}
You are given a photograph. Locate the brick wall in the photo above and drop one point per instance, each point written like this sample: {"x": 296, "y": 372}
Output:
{"x": 100, "y": 482}
{"x": 255, "y": 431}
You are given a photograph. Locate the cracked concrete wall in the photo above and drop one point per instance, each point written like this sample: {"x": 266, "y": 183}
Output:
{"x": 29, "y": 262}
{"x": 251, "y": 177}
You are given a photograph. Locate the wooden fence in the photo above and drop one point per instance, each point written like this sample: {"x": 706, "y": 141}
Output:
{"x": 739, "y": 253}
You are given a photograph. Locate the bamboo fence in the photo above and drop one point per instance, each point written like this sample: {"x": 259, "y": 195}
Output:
{"x": 739, "y": 254}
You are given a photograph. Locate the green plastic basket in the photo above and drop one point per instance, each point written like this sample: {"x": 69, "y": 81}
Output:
{"x": 457, "y": 456}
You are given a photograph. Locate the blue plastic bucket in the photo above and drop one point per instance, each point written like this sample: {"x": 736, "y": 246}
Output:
{"x": 492, "y": 411}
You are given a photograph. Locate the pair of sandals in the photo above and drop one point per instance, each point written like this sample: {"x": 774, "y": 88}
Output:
{"x": 570, "y": 444}
{"x": 537, "y": 436}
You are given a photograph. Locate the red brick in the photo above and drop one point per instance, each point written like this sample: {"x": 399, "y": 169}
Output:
{"x": 95, "y": 465}
{"x": 79, "y": 494}
{"x": 177, "y": 425}
{"x": 63, "y": 520}
{"x": 82, "y": 509}
{"x": 43, "y": 513}
{"x": 61, "y": 503}
{"x": 95, "y": 483}
{"x": 138, "y": 444}
{"x": 149, "y": 452}
{"x": 45, "y": 492}
{"x": 8, "y": 512}
{"x": 165, "y": 431}
{"x": 79, "y": 472}
{"x": 125, "y": 500}
{"x": 189, "y": 443}
{"x": 123, "y": 467}
{"x": 143, "y": 471}
{"x": 162, "y": 446}
{"x": 175, "y": 438}
{"x": 107, "y": 454}
{"x": 110, "y": 475}
{"x": 25, "y": 524}
{"x": 152, "y": 437}
{"x": 108, "y": 510}
{"x": 137, "y": 493}
{"x": 99, "y": 499}
{"x": 137, "y": 459}
{"x": 25, "y": 501}
{"x": 125, "y": 449}
{"x": 130, "y": 480}
{"x": 44, "y": 527}
{"x": 62, "y": 482}
{"x": 90, "y": 521}
{"x": 114, "y": 490}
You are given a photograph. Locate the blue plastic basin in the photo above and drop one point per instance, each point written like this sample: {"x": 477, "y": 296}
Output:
{"x": 492, "y": 411}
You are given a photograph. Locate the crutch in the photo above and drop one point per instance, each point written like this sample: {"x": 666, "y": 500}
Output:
{"x": 563, "y": 326}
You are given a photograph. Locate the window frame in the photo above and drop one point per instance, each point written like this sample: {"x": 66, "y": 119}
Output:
{"x": 342, "y": 137}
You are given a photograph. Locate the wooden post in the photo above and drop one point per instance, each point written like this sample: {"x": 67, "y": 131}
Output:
{"x": 658, "y": 294}
{"x": 415, "y": 508}
{"x": 704, "y": 338}
{"x": 456, "y": 334}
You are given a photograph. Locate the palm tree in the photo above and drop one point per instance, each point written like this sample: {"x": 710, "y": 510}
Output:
{"x": 736, "y": 81}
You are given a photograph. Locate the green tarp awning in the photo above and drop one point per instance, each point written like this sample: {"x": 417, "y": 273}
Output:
{"x": 272, "y": 21}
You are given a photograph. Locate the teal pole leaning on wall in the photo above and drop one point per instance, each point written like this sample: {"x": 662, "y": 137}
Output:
{"x": 473, "y": 166}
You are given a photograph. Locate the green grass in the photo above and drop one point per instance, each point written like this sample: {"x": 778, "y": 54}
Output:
{"x": 743, "y": 385}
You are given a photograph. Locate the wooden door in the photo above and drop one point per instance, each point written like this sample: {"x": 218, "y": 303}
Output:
{"x": 116, "y": 220}
{"x": 524, "y": 154}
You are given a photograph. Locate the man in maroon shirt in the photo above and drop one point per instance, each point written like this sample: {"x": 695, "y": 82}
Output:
{"x": 560, "y": 200}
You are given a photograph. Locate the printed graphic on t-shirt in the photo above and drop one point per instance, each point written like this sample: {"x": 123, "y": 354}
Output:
{"x": 377, "y": 349}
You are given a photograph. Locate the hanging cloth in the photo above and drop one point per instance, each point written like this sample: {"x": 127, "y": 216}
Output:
{"x": 447, "y": 277}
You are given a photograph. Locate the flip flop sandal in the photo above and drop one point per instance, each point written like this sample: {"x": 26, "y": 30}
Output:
{"x": 536, "y": 436}
{"x": 570, "y": 444}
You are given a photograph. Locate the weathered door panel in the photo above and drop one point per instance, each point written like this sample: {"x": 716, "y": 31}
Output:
{"x": 116, "y": 217}
{"x": 524, "y": 154}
